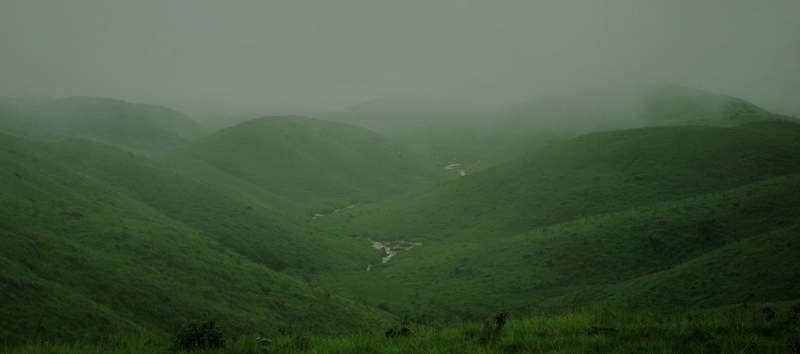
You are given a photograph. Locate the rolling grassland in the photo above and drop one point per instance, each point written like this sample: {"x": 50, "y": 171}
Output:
{"x": 86, "y": 251}
{"x": 671, "y": 227}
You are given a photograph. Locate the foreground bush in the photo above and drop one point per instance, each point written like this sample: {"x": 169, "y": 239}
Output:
{"x": 199, "y": 335}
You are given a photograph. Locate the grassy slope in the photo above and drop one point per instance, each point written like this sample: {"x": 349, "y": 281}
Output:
{"x": 589, "y": 175}
{"x": 701, "y": 252}
{"x": 321, "y": 165}
{"x": 528, "y": 234}
{"x": 126, "y": 264}
{"x": 138, "y": 127}
{"x": 763, "y": 266}
{"x": 237, "y": 214}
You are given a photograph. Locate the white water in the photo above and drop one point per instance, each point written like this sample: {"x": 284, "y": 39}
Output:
{"x": 392, "y": 247}
{"x": 318, "y": 215}
{"x": 453, "y": 165}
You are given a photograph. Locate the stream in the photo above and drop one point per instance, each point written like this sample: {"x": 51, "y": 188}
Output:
{"x": 391, "y": 248}
{"x": 318, "y": 215}
{"x": 453, "y": 165}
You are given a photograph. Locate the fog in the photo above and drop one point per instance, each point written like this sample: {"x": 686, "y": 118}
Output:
{"x": 309, "y": 57}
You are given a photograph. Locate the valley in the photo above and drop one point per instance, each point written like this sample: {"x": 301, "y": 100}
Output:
{"x": 686, "y": 203}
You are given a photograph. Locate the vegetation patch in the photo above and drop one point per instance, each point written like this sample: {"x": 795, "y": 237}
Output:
{"x": 199, "y": 335}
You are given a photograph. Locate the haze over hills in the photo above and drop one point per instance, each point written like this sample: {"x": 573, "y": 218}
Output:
{"x": 507, "y": 133}
{"x": 387, "y": 115}
{"x": 368, "y": 177}
{"x": 138, "y": 127}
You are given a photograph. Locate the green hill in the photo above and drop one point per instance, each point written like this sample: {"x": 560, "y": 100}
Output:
{"x": 248, "y": 219}
{"x": 588, "y": 220}
{"x": 320, "y": 165}
{"x": 97, "y": 240}
{"x": 138, "y": 127}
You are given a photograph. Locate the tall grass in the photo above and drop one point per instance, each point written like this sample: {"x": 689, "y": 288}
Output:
{"x": 725, "y": 330}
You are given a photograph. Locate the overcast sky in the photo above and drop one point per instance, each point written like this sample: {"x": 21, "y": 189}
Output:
{"x": 330, "y": 54}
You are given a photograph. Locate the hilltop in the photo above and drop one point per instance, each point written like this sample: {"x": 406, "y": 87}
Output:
{"x": 137, "y": 127}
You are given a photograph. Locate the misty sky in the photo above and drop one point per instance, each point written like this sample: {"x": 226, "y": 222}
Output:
{"x": 320, "y": 55}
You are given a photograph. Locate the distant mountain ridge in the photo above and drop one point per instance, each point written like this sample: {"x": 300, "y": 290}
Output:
{"x": 139, "y": 127}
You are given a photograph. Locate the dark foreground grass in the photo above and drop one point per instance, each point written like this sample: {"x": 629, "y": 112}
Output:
{"x": 734, "y": 329}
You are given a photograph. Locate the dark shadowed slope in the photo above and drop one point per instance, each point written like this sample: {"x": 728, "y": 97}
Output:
{"x": 137, "y": 127}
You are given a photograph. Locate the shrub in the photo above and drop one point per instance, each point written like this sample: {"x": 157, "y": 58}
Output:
{"x": 769, "y": 314}
{"x": 200, "y": 335}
